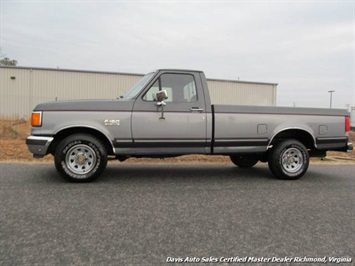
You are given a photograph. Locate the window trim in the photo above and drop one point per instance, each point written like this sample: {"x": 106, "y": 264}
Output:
{"x": 160, "y": 85}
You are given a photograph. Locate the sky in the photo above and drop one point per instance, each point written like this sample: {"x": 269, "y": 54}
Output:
{"x": 307, "y": 47}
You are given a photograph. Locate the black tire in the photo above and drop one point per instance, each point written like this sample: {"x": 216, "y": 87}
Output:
{"x": 80, "y": 158}
{"x": 288, "y": 159}
{"x": 244, "y": 161}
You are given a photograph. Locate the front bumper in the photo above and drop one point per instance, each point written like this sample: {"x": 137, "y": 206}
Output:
{"x": 38, "y": 145}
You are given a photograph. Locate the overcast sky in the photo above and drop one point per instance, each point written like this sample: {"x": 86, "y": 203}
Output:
{"x": 307, "y": 47}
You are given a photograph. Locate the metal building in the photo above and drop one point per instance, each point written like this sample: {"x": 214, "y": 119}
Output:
{"x": 242, "y": 92}
{"x": 21, "y": 88}
{"x": 352, "y": 118}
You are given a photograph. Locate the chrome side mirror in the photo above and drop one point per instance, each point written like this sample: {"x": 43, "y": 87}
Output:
{"x": 161, "y": 95}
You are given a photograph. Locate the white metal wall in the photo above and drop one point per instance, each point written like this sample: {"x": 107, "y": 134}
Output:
{"x": 51, "y": 85}
{"x": 242, "y": 93}
{"x": 21, "y": 89}
{"x": 15, "y": 94}
{"x": 352, "y": 118}
{"x": 32, "y": 86}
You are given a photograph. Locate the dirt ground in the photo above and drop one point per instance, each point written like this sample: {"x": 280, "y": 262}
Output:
{"x": 13, "y": 148}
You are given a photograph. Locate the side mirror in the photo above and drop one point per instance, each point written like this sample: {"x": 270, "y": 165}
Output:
{"x": 161, "y": 95}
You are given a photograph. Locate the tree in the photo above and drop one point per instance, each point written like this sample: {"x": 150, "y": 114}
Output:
{"x": 7, "y": 62}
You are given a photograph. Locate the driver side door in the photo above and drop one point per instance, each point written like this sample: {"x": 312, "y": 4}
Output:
{"x": 179, "y": 127}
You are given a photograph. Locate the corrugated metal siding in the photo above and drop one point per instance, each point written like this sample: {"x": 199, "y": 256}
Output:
{"x": 352, "y": 118}
{"x": 15, "y": 93}
{"x": 62, "y": 85}
{"x": 241, "y": 93}
{"x": 32, "y": 86}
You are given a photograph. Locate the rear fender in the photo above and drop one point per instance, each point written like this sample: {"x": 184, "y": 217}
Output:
{"x": 301, "y": 132}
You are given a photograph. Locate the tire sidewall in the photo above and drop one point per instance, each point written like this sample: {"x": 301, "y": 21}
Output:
{"x": 79, "y": 139}
{"x": 276, "y": 165}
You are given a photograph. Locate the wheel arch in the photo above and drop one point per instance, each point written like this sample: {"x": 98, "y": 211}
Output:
{"x": 300, "y": 134}
{"x": 66, "y": 132}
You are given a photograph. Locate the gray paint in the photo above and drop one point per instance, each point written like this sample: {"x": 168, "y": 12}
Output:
{"x": 279, "y": 110}
{"x": 141, "y": 131}
{"x": 86, "y": 105}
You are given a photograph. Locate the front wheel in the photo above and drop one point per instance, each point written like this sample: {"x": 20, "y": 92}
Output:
{"x": 80, "y": 158}
{"x": 289, "y": 159}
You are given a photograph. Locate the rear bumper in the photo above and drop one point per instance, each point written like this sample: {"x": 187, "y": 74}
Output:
{"x": 38, "y": 145}
{"x": 334, "y": 144}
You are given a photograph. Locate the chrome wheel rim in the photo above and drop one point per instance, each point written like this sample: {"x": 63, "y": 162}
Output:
{"x": 292, "y": 160}
{"x": 80, "y": 159}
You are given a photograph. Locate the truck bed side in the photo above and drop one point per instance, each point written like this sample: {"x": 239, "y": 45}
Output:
{"x": 253, "y": 128}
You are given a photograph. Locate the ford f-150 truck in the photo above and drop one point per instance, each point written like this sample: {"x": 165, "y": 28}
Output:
{"x": 169, "y": 113}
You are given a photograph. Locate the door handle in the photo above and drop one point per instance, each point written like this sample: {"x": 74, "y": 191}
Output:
{"x": 196, "y": 109}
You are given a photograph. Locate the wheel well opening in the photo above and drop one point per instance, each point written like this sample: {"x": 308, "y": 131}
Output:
{"x": 300, "y": 135}
{"x": 71, "y": 131}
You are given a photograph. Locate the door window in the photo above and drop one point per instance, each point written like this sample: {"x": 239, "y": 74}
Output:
{"x": 180, "y": 88}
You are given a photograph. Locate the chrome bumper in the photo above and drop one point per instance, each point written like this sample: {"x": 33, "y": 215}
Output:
{"x": 350, "y": 147}
{"x": 38, "y": 145}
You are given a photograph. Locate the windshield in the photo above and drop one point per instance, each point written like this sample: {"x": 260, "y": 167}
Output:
{"x": 137, "y": 88}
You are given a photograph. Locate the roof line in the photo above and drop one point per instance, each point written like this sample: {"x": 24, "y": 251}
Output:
{"x": 245, "y": 81}
{"x": 71, "y": 70}
{"x": 132, "y": 74}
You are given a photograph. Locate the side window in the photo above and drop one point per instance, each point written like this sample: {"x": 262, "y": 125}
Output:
{"x": 180, "y": 88}
{"x": 190, "y": 93}
{"x": 150, "y": 95}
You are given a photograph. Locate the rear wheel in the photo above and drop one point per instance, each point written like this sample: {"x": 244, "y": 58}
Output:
{"x": 289, "y": 159}
{"x": 244, "y": 161}
{"x": 80, "y": 158}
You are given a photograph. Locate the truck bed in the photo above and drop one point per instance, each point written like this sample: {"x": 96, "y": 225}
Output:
{"x": 253, "y": 128}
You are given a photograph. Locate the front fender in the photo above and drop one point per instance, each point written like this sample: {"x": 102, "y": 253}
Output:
{"x": 56, "y": 122}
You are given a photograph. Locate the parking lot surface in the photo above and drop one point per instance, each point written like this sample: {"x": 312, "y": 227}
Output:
{"x": 156, "y": 213}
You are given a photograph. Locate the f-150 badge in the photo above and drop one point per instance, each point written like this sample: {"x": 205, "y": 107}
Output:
{"x": 111, "y": 122}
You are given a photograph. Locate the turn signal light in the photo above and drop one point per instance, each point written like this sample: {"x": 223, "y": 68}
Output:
{"x": 36, "y": 119}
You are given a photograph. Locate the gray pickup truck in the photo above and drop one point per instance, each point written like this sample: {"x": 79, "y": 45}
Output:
{"x": 169, "y": 113}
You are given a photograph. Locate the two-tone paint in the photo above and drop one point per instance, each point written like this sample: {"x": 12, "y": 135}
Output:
{"x": 134, "y": 127}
